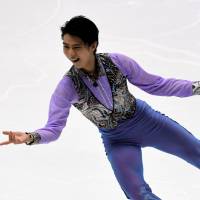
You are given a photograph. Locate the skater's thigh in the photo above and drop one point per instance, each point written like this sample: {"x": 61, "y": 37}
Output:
{"x": 172, "y": 138}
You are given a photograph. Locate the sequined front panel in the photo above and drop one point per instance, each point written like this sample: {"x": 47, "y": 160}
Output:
{"x": 89, "y": 105}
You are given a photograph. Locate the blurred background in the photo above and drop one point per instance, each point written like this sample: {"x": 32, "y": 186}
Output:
{"x": 161, "y": 35}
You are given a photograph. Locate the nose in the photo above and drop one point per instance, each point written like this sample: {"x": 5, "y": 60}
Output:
{"x": 71, "y": 53}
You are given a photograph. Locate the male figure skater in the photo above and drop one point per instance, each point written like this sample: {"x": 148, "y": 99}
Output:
{"x": 96, "y": 85}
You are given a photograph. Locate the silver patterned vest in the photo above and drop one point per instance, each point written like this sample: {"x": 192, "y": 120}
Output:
{"x": 89, "y": 105}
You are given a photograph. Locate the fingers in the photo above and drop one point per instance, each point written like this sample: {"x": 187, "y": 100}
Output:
{"x": 14, "y": 137}
{"x": 4, "y": 143}
{"x": 6, "y": 132}
{"x": 11, "y": 137}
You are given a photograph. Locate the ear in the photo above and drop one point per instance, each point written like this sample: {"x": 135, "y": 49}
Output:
{"x": 94, "y": 45}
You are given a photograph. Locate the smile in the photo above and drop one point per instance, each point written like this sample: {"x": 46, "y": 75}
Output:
{"x": 75, "y": 60}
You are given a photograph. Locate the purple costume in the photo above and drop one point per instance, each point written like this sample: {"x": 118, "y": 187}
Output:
{"x": 65, "y": 93}
{"x": 146, "y": 127}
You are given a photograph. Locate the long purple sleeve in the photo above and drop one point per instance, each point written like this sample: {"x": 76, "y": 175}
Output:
{"x": 60, "y": 103}
{"x": 150, "y": 83}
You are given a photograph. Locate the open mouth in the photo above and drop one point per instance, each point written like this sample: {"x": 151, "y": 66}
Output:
{"x": 75, "y": 60}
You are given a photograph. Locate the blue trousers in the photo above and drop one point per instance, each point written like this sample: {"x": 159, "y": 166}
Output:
{"x": 147, "y": 128}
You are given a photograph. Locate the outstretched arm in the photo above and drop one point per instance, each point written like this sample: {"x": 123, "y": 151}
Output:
{"x": 150, "y": 83}
{"x": 60, "y": 103}
{"x": 59, "y": 107}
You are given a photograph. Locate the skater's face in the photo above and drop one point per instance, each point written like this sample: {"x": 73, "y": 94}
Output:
{"x": 80, "y": 54}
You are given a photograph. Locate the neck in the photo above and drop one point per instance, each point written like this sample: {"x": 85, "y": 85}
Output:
{"x": 90, "y": 68}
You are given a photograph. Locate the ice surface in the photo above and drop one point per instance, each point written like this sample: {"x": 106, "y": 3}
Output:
{"x": 161, "y": 35}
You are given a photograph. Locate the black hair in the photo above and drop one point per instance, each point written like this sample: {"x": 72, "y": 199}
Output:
{"x": 81, "y": 27}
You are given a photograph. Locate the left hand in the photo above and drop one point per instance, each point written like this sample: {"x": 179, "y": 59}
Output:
{"x": 15, "y": 137}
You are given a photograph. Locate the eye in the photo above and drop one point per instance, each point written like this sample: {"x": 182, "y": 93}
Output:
{"x": 66, "y": 47}
{"x": 77, "y": 47}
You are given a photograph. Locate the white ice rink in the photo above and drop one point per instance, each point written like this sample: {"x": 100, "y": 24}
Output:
{"x": 161, "y": 35}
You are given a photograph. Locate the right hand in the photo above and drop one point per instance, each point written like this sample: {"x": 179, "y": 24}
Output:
{"x": 15, "y": 137}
